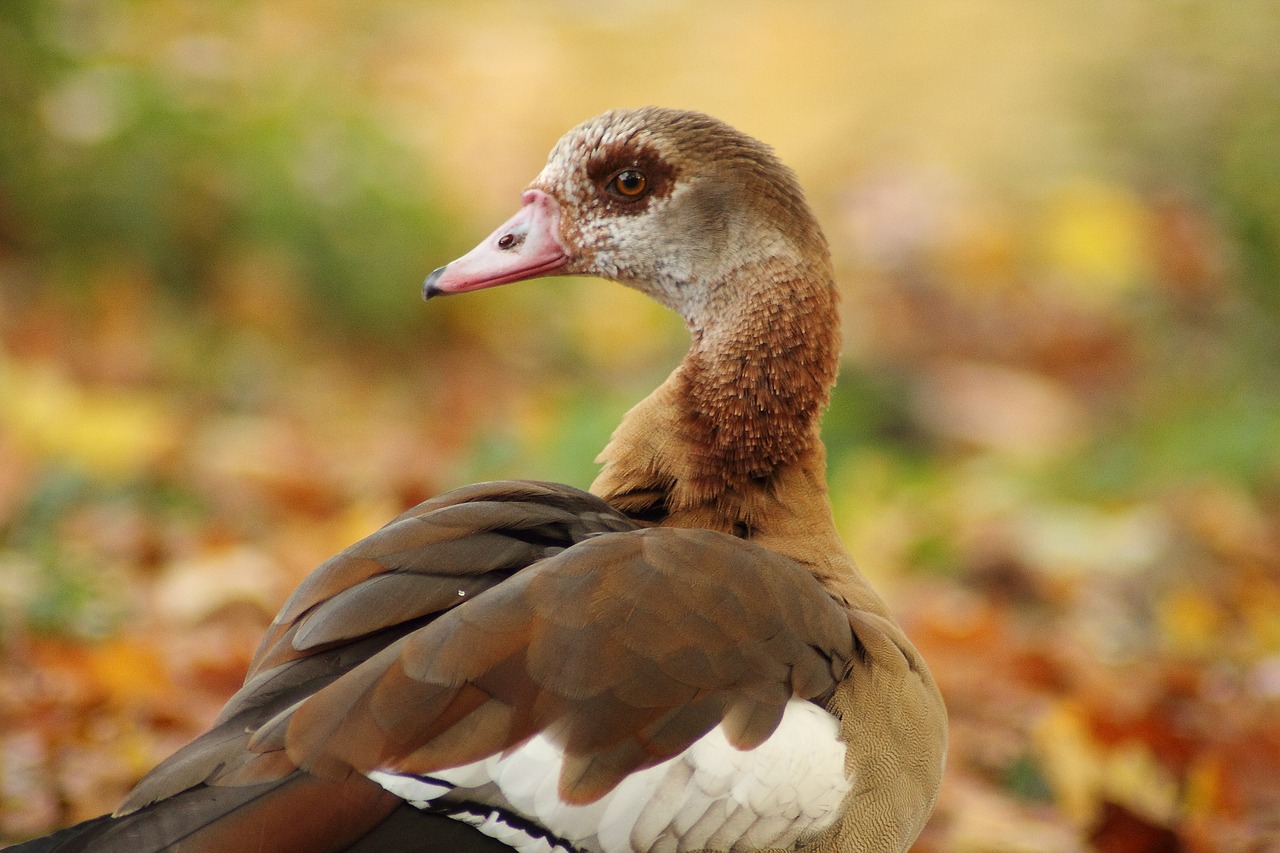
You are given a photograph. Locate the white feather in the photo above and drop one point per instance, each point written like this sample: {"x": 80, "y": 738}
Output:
{"x": 712, "y": 796}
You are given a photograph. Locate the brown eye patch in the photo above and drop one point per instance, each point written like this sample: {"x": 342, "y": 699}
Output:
{"x": 628, "y": 175}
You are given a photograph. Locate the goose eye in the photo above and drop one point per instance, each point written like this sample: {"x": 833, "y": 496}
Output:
{"x": 628, "y": 184}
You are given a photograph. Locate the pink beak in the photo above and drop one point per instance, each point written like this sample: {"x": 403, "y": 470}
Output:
{"x": 526, "y": 246}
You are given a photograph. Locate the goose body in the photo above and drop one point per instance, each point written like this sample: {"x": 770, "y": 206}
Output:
{"x": 683, "y": 658}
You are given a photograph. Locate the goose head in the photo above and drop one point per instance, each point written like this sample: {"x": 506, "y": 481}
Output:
{"x": 707, "y": 221}
{"x": 673, "y": 203}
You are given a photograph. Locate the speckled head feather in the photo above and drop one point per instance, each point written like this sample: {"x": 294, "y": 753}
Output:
{"x": 716, "y": 200}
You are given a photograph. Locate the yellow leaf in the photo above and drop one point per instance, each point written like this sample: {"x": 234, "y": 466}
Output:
{"x": 1204, "y": 786}
{"x": 1072, "y": 762}
{"x": 1190, "y": 620}
{"x": 109, "y": 435}
{"x": 1134, "y": 779}
{"x": 128, "y": 671}
{"x": 1098, "y": 235}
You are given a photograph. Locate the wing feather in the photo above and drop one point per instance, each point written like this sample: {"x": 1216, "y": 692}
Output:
{"x": 626, "y": 647}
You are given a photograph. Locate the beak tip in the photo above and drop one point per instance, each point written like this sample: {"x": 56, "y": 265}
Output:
{"x": 431, "y": 287}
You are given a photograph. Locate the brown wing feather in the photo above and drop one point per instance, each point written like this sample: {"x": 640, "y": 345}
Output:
{"x": 626, "y": 647}
{"x": 482, "y": 532}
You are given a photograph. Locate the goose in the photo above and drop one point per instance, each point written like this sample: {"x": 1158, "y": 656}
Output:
{"x": 682, "y": 658}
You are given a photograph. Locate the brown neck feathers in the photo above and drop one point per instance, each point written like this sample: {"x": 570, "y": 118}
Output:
{"x": 756, "y": 383}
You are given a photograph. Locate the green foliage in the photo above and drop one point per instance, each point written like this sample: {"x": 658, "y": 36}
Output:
{"x": 1197, "y": 110}
{"x": 1025, "y": 779}
{"x": 1248, "y": 187}
{"x": 165, "y": 156}
{"x": 68, "y": 593}
{"x": 870, "y": 407}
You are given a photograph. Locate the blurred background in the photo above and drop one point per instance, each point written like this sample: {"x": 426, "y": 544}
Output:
{"x": 1055, "y": 445}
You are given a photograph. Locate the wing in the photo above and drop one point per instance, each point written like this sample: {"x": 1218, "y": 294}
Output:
{"x": 625, "y": 648}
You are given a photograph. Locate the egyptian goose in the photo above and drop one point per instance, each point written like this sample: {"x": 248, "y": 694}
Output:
{"x": 684, "y": 658}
